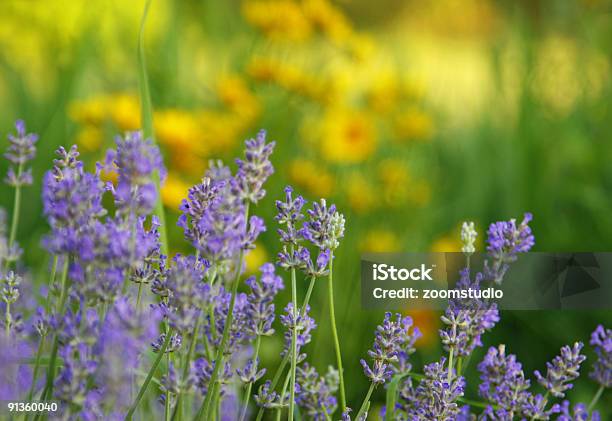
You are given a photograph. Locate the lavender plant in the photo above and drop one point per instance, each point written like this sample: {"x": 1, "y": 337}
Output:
{"x": 121, "y": 317}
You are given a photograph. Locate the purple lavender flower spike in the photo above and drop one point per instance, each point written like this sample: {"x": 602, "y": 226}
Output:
{"x": 267, "y": 398}
{"x": 535, "y": 408}
{"x": 21, "y": 149}
{"x": 435, "y": 397}
{"x": 504, "y": 242}
{"x": 503, "y": 383}
{"x": 316, "y": 394}
{"x": 303, "y": 323}
{"x": 601, "y": 340}
{"x": 201, "y": 372}
{"x": 251, "y": 371}
{"x": 563, "y": 369}
{"x": 325, "y": 226}
{"x": 578, "y": 413}
{"x": 289, "y": 214}
{"x": 260, "y": 307}
{"x": 14, "y": 377}
{"x": 135, "y": 160}
{"x": 254, "y": 170}
{"x": 393, "y": 344}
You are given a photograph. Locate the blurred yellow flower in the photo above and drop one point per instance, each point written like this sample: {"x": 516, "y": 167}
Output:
{"x": 348, "y": 136}
{"x": 328, "y": 19}
{"x": 124, "y": 110}
{"x": 174, "y": 191}
{"x": 91, "y": 111}
{"x": 234, "y": 93}
{"x": 447, "y": 243}
{"x": 428, "y": 322}
{"x": 380, "y": 241}
{"x": 90, "y": 138}
{"x": 278, "y": 19}
{"x": 255, "y": 258}
{"x": 179, "y": 130}
{"x": 360, "y": 193}
{"x": 311, "y": 177}
{"x": 291, "y": 78}
{"x": 413, "y": 124}
{"x": 394, "y": 176}
{"x": 384, "y": 93}
{"x": 419, "y": 193}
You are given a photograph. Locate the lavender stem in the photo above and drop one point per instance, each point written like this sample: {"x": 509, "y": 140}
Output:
{"x": 332, "y": 317}
{"x": 293, "y": 344}
{"x": 596, "y": 398}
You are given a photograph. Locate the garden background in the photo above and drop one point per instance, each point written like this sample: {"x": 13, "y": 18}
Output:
{"x": 410, "y": 116}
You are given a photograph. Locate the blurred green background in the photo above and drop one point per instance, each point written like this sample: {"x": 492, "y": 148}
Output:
{"x": 411, "y": 116}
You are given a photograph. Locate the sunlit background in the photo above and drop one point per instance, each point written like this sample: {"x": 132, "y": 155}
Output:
{"x": 411, "y": 116}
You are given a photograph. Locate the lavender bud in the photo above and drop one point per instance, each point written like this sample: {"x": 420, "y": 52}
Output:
{"x": 601, "y": 340}
{"x": 563, "y": 369}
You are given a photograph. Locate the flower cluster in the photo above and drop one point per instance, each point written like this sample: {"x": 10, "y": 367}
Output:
{"x": 21, "y": 150}
{"x": 195, "y": 332}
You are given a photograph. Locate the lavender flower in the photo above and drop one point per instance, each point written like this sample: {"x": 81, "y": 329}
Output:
{"x": 578, "y": 413}
{"x": 325, "y": 226}
{"x": 254, "y": 170}
{"x": 315, "y": 394}
{"x": 392, "y": 346}
{"x": 535, "y": 408}
{"x": 266, "y": 397}
{"x": 468, "y": 237}
{"x": 436, "y": 395}
{"x": 8, "y": 253}
{"x": 21, "y": 150}
{"x": 14, "y": 376}
{"x": 601, "y": 340}
{"x": 9, "y": 293}
{"x": 122, "y": 340}
{"x": 562, "y": 370}
{"x": 201, "y": 372}
{"x": 251, "y": 371}
{"x": 503, "y": 383}
{"x": 72, "y": 201}
{"x": 289, "y": 214}
{"x": 174, "y": 345}
{"x": 187, "y": 294}
{"x": 504, "y": 242}
{"x": 135, "y": 160}
{"x": 302, "y": 323}
{"x": 260, "y": 307}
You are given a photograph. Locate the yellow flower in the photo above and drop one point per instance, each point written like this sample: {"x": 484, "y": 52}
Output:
{"x": 221, "y": 130}
{"x": 93, "y": 111}
{"x": 347, "y": 136}
{"x": 278, "y": 19}
{"x": 180, "y": 131}
{"x": 361, "y": 195}
{"x": 255, "y": 258}
{"x": 428, "y": 322}
{"x": 174, "y": 191}
{"x": 90, "y": 138}
{"x": 384, "y": 93}
{"x": 328, "y": 18}
{"x": 380, "y": 241}
{"x": 419, "y": 193}
{"x": 413, "y": 124}
{"x": 396, "y": 181}
{"x": 447, "y": 243}
{"x": 234, "y": 93}
{"x": 124, "y": 110}
{"x": 311, "y": 177}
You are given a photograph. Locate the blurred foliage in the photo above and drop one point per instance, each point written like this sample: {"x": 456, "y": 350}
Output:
{"x": 411, "y": 116}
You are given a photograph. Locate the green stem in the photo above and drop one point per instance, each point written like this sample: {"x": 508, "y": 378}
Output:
{"x": 194, "y": 337}
{"x": 459, "y": 366}
{"x": 147, "y": 381}
{"x": 7, "y": 323}
{"x": 16, "y": 210}
{"x": 138, "y": 297}
{"x": 41, "y": 346}
{"x": 51, "y": 282}
{"x": 203, "y": 411}
{"x": 167, "y": 400}
{"x": 282, "y": 399}
{"x": 64, "y": 287}
{"x": 146, "y": 112}
{"x": 595, "y": 398}
{"x": 332, "y": 317}
{"x": 293, "y": 344}
{"x": 450, "y": 363}
{"x": 247, "y": 394}
{"x": 365, "y": 401}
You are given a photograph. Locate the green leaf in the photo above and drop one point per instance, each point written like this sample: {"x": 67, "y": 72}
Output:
{"x": 392, "y": 396}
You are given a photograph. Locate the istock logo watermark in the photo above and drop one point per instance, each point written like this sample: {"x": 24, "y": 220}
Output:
{"x": 383, "y": 272}
{"x": 536, "y": 281}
